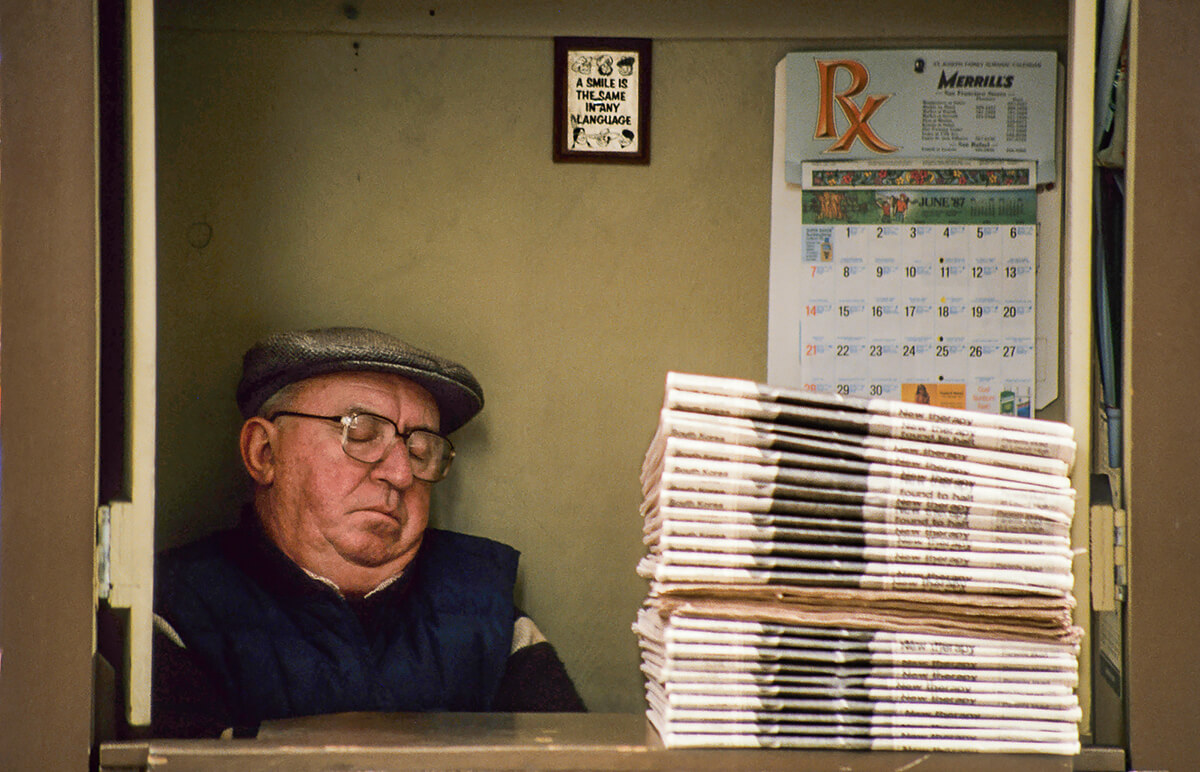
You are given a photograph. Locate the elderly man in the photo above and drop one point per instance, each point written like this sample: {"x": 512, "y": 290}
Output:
{"x": 332, "y": 595}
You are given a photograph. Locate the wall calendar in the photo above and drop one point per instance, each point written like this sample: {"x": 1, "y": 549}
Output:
{"x": 914, "y": 227}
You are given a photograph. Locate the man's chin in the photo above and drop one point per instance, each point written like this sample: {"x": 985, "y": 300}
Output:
{"x": 378, "y": 542}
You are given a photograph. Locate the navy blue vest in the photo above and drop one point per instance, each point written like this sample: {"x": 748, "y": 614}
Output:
{"x": 284, "y": 645}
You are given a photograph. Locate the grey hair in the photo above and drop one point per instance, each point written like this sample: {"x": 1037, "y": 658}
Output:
{"x": 280, "y": 400}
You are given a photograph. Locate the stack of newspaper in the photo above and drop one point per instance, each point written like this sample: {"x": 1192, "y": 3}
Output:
{"x": 835, "y": 572}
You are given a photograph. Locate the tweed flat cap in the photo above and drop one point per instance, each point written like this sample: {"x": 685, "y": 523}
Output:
{"x": 287, "y": 357}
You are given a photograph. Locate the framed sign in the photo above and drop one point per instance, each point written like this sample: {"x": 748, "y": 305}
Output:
{"x": 602, "y": 100}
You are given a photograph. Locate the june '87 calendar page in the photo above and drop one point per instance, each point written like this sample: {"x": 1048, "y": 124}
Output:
{"x": 919, "y": 282}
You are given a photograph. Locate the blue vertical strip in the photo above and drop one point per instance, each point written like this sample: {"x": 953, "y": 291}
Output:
{"x": 1105, "y": 258}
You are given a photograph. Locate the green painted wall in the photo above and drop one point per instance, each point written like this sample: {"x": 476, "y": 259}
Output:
{"x": 394, "y": 170}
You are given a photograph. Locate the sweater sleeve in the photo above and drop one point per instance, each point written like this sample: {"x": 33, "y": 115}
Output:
{"x": 535, "y": 679}
{"x": 185, "y": 701}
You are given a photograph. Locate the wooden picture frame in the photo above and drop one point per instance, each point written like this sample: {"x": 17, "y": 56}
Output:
{"x": 602, "y": 100}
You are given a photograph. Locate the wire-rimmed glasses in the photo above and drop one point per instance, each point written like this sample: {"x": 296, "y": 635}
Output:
{"x": 368, "y": 437}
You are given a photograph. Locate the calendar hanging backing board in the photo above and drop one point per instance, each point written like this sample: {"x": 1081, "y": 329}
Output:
{"x": 936, "y": 300}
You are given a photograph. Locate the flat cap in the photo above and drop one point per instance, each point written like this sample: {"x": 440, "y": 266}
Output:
{"x": 287, "y": 357}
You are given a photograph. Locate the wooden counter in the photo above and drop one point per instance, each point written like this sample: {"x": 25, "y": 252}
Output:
{"x": 508, "y": 741}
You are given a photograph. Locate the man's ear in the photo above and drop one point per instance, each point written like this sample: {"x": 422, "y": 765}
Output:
{"x": 258, "y": 454}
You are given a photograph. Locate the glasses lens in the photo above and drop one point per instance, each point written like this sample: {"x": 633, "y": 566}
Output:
{"x": 366, "y": 437}
{"x": 430, "y": 454}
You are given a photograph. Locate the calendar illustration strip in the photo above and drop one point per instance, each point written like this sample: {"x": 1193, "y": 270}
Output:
{"x": 1004, "y": 175}
{"x": 919, "y": 207}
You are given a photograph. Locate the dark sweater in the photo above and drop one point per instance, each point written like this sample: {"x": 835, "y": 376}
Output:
{"x": 244, "y": 636}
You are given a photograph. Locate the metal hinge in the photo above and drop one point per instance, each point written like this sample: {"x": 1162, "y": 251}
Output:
{"x": 1120, "y": 550}
{"x": 111, "y": 518}
{"x": 103, "y": 551}
{"x": 1109, "y": 539}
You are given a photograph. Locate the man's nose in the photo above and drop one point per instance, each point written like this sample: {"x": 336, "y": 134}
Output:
{"x": 395, "y": 468}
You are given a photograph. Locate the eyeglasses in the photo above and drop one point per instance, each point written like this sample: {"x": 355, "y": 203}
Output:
{"x": 369, "y": 438}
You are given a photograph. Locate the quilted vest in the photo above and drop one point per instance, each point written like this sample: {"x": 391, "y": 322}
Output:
{"x": 284, "y": 644}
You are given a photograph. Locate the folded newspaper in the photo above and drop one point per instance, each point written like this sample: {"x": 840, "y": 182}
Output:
{"x": 835, "y": 572}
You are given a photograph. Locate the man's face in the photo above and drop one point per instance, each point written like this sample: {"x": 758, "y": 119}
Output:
{"x": 331, "y": 514}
